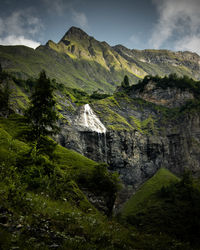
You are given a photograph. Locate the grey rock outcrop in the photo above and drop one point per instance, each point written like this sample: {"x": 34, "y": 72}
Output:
{"x": 170, "y": 97}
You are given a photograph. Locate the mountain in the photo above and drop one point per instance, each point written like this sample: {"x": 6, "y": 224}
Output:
{"x": 148, "y": 133}
{"x": 80, "y": 61}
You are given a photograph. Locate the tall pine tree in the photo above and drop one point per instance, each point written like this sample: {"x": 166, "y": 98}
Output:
{"x": 42, "y": 114}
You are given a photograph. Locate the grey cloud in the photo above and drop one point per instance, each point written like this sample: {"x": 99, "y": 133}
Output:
{"x": 19, "y": 28}
{"x": 177, "y": 16}
{"x": 189, "y": 43}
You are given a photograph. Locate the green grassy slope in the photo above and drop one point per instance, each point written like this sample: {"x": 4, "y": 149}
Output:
{"x": 168, "y": 208}
{"x": 162, "y": 62}
{"x": 80, "y": 61}
{"x": 41, "y": 201}
{"x": 83, "y": 74}
{"x": 146, "y": 193}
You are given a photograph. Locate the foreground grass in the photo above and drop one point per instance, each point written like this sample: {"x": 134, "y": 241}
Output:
{"x": 42, "y": 205}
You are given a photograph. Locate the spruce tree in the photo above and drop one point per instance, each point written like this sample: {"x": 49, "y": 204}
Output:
{"x": 41, "y": 114}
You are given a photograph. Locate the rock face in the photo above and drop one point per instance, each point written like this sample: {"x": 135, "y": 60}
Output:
{"x": 170, "y": 97}
{"x": 158, "y": 134}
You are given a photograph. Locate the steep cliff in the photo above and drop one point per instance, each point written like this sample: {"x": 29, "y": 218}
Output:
{"x": 144, "y": 128}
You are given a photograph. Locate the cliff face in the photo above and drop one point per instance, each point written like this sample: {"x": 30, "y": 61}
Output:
{"x": 144, "y": 131}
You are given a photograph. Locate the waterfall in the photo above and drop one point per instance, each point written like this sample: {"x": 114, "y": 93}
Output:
{"x": 91, "y": 121}
{"x": 88, "y": 121}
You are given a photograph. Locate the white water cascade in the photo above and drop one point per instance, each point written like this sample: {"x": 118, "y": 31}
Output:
{"x": 91, "y": 121}
{"x": 88, "y": 121}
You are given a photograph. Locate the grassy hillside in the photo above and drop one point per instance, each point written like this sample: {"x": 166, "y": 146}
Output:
{"x": 80, "y": 61}
{"x": 145, "y": 195}
{"x": 42, "y": 204}
{"x": 166, "y": 207}
{"x": 83, "y": 74}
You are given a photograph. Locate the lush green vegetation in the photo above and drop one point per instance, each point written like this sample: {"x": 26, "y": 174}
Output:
{"x": 125, "y": 83}
{"x": 42, "y": 200}
{"x": 41, "y": 197}
{"x": 138, "y": 201}
{"x": 44, "y": 194}
{"x": 4, "y": 93}
{"x": 169, "y": 207}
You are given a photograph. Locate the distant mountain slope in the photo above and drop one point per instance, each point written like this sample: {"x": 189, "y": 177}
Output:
{"x": 80, "y": 61}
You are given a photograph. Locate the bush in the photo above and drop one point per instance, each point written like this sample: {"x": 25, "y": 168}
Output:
{"x": 12, "y": 191}
{"x": 101, "y": 180}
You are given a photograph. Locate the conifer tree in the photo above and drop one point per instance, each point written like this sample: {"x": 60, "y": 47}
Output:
{"x": 42, "y": 114}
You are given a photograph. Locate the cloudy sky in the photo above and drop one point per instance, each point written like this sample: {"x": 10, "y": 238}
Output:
{"x": 138, "y": 24}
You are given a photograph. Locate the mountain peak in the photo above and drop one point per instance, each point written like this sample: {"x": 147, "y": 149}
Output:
{"x": 75, "y": 32}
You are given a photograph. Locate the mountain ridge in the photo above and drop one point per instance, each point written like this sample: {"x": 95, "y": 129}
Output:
{"x": 80, "y": 61}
